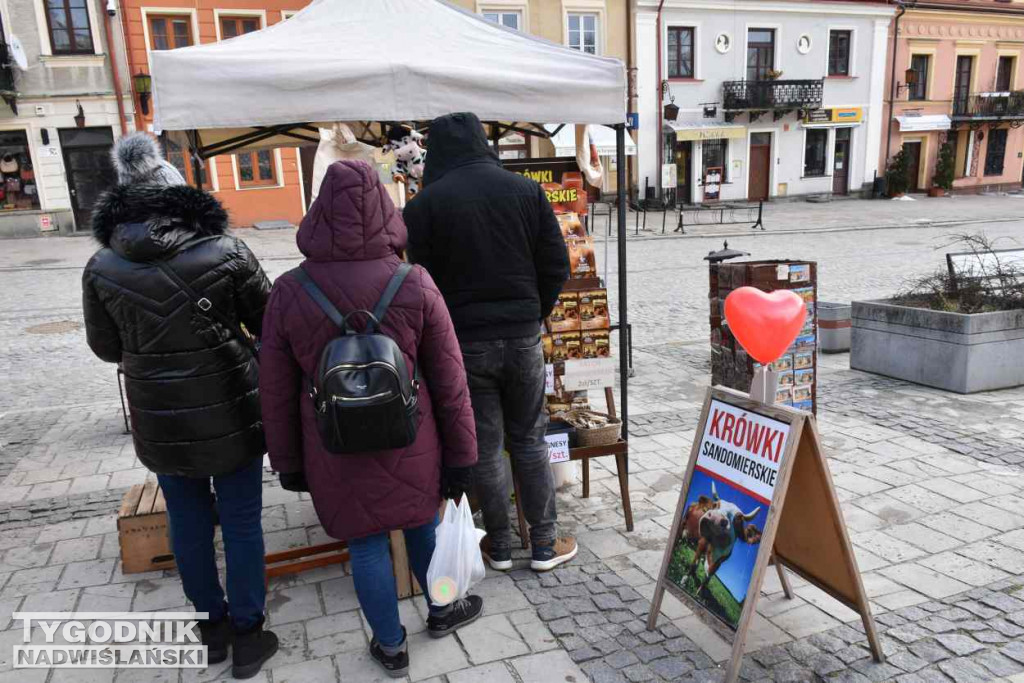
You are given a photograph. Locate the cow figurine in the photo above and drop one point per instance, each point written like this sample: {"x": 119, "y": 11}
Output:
{"x": 719, "y": 528}
{"x": 410, "y": 157}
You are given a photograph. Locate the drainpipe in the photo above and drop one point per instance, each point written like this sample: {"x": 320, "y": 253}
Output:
{"x": 115, "y": 72}
{"x": 892, "y": 80}
{"x": 661, "y": 96}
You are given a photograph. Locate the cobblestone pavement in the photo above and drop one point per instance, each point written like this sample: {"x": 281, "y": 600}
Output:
{"x": 931, "y": 484}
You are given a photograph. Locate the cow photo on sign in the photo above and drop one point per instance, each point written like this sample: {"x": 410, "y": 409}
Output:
{"x": 726, "y": 508}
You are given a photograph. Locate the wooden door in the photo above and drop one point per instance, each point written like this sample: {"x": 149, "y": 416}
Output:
{"x": 683, "y": 157}
{"x": 841, "y": 162}
{"x": 88, "y": 168}
{"x": 759, "y": 182}
{"x": 913, "y": 150}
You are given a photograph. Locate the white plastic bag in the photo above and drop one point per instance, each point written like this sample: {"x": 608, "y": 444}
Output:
{"x": 457, "y": 563}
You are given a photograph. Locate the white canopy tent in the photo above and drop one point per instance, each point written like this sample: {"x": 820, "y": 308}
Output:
{"x": 382, "y": 60}
{"x": 374, "y": 63}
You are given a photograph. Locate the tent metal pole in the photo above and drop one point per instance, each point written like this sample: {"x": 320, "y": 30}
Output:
{"x": 197, "y": 167}
{"x": 624, "y": 341}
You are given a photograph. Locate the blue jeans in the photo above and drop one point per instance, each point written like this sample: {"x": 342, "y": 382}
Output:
{"x": 190, "y": 514}
{"x": 374, "y": 578}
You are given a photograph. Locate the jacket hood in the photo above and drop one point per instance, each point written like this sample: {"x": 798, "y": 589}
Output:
{"x": 141, "y": 222}
{"x": 352, "y": 218}
{"x": 455, "y": 140}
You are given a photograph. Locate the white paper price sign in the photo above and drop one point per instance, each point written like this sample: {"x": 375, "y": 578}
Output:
{"x": 592, "y": 373}
{"x": 558, "y": 447}
{"x": 549, "y": 379}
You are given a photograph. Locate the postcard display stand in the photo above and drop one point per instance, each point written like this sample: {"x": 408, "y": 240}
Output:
{"x": 734, "y": 518}
{"x": 797, "y": 369}
{"x": 577, "y": 342}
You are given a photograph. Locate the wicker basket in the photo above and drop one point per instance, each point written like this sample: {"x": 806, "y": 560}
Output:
{"x": 601, "y": 436}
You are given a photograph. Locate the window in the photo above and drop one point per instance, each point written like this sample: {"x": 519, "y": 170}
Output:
{"x": 714, "y": 155}
{"x": 1004, "y": 74}
{"x": 169, "y": 32}
{"x": 919, "y": 65}
{"x": 583, "y": 32}
{"x": 18, "y": 190}
{"x": 237, "y": 26}
{"x": 507, "y": 19}
{"x": 962, "y": 87}
{"x": 68, "y": 23}
{"x": 179, "y": 158}
{"x": 839, "y": 53}
{"x": 815, "y": 148}
{"x": 996, "y": 152}
{"x": 680, "y": 52}
{"x": 257, "y": 169}
{"x": 760, "y": 53}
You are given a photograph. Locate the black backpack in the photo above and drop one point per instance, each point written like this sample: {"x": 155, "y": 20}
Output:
{"x": 363, "y": 393}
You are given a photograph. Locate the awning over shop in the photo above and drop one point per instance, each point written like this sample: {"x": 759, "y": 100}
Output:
{"x": 701, "y": 130}
{"x": 384, "y": 60}
{"x": 602, "y": 136}
{"x": 922, "y": 122}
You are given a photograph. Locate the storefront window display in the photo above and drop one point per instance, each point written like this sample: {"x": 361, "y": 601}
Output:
{"x": 18, "y": 190}
{"x": 715, "y": 155}
{"x": 815, "y": 147}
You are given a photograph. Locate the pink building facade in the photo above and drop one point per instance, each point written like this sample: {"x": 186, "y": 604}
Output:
{"x": 959, "y": 78}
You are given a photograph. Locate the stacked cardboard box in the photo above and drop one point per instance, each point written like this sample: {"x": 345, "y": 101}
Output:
{"x": 731, "y": 366}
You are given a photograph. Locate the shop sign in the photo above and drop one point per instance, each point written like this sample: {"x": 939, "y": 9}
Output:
{"x": 46, "y": 223}
{"x": 633, "y": 120}
{"x": 589, "y": 373}
{"x": 558, "y": 447}
{"x": 818, "y": 116}
{"x": 699, "y": 133}
{"x": 847, "y": 115}
{"x": 560, "y": 177}
{"x": 47, "y": 151}
{"x": 669, "y": 176}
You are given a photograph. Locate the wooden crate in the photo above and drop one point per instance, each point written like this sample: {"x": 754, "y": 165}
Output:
{"x": 142, "y": 530}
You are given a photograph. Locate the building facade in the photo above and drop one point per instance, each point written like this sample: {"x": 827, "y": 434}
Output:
{"x": 958, "y": 78}
{"x": 759, "y": 99}
{"x": 60, "y": 112}
{"x": 266, "y": 185}
{"x": 599, "y": 27}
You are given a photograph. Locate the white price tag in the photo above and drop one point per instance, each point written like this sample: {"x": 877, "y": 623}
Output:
{"x": 782, "y": 272}
{"x": 592, "y": 373}
{"x": 558, "y": 447}
{"x": 549, "y": 379}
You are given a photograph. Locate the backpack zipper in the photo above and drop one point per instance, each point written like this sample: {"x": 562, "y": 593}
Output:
{"x": 363, "y": 398}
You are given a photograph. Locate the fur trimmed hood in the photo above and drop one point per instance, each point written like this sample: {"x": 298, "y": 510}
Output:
{"x": 163, "y": 215}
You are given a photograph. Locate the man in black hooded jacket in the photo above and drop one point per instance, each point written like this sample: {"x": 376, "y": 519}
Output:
{"x": 490, "y": 240}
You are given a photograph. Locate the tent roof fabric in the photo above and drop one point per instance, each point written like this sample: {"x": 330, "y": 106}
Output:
{"x": 602, "y": 136}
{"x": 382, "y": 60}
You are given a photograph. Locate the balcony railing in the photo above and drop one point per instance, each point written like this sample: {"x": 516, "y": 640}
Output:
{"x": 991, "y": 106}
{"x": 770, "y": 95}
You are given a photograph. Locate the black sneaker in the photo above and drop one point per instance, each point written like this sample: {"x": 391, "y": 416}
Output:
{"x": 500, "y": 559}
{"x": 547, "y": 557}
{"x": 216, "y": 636}
{"x": 463, "y": 612}
{"x": 251, "y": 648}
{"x": 396, "y": 665}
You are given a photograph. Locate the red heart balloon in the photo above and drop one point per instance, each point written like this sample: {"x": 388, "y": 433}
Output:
{"x": 765, "y": 324}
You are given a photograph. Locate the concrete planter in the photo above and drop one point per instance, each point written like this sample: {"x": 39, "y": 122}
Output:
{"x": 952, "y": 351}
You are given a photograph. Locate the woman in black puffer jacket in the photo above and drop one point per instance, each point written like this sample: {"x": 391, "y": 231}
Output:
{"x": 192, "y": 382}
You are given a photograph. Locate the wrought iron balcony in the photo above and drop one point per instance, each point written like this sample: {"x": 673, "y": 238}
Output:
{"x": 772, "y": 95}
{"x": 991, "y": 106}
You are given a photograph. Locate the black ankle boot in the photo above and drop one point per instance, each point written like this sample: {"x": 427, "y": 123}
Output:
{"x": 251, "y": 648}
{"x": 216, "y": 637}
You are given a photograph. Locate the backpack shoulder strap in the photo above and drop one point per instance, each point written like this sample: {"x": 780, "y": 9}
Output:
{"x": 381, "y": 309}
{"x": 317, "y": 295}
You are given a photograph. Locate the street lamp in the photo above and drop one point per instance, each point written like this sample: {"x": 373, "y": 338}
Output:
{"x": 671, "y": 110}
{"x": 143, "y": 86}
{"x": 80, "y": 116}
{"x": 910, "y": 78}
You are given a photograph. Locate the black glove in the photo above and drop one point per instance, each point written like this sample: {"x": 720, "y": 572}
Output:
{"x": 455, "y": 481}
{"x": 294, "y": 481}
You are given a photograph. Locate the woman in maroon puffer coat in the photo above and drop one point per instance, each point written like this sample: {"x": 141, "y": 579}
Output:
{"x": 352, "y": 238}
